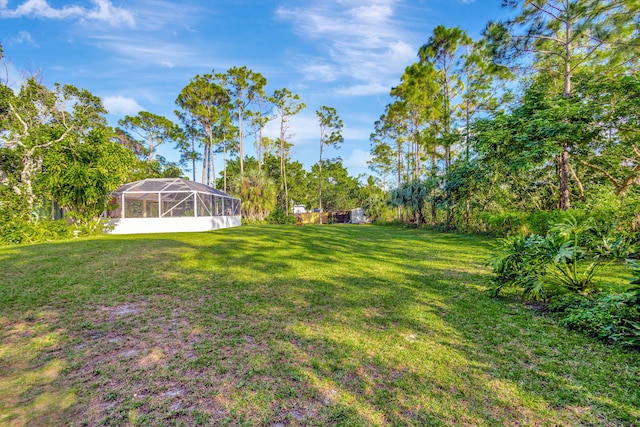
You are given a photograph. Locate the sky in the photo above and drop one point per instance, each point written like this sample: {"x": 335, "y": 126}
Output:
{"x": 137, "y": 55}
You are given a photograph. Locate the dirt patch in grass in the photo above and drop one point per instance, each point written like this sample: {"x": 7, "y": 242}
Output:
{"x": 124, "y": 310}
{"x": 30, "y": 371}
{"x": 133, "y": 358}
{"x": 150, "y": 363}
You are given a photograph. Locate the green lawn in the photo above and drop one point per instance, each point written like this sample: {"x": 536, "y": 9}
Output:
{"x": 314, "y": 325}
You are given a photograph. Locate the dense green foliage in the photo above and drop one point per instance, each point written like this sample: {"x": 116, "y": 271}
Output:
{"x": 560, "y": 269}
{"x": 613, "y": 317}
{"x": 55, "y": 145}
{"x": 468, "y": 142}
{"x": 500, "y": 157}
{"x": 564, "y": 260}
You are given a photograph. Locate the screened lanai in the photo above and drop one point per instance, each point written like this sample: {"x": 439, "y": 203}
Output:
{"x": 171, "y": 205}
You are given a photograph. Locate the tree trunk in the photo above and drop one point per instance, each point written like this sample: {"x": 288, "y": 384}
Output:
{"x": 434, "y": 214}
{"x": 467, "y": 208}
{"x": 224, "y": 161}
{"x": 563, "y": 178}
{"x": 30, "y": 165}
{"x": 205, "y": 164}
{"x": 213, "y": 167}
{"x": 286, "y": 189}
{"x": 320, "y": 185}
{"x": 399, "y": 166}
{"x": 193, "y": 158}
{"x": 241, "y": 140}
{"x": 417, "y": 157}
{"x": 466, "y": 147}
{"x": 259, "y": 153}
{"x": 578, "y": 183}
{"x": 150, "y": 149}
{"x": 563, "y": 158}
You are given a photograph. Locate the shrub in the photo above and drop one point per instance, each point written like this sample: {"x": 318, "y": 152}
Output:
{"x": 278, "y": 216}
{"x": 516, "y": 222}
{"x": 573, "y": 263}
{"x": 609, "y": 240}
{"x": 16, "y": 231}
{"x": 541, "y": 222}
{"x": 516, "y": 263}
{"x": 558, "y": 262}
{"x": 504, "y": 223}
{"x": 613, "y": 317}
{"x": 390, "y": 223}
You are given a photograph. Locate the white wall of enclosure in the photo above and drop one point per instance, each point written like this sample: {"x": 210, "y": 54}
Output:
{"x": 165, "y": 205}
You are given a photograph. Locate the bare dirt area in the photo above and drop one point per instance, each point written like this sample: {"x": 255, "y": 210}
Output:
{"x": 133, "y": 356}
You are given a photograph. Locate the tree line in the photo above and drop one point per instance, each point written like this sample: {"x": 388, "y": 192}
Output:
{"x": 57, "y": 151}
{"x": 541, "y": 114}
{"x": 537, "y": 117}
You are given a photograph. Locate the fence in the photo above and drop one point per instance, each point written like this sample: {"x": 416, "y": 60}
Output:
{"x": 336, "y": 217}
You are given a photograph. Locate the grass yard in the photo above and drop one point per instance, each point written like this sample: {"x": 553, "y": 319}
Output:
{"x": 275, "y": 326}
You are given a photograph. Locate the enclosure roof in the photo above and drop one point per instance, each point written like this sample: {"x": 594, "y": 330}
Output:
{"x": 168, "y": 185}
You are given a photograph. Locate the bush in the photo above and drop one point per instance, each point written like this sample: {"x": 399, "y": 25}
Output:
{"x": 504, "y": 223}
{"x": 16, "y": 231}
{"x": 539, "y": 266}
{"x": 278, "y": 216}
{"x": 390, "y": 223}
{"x": 516, "y": 222}
{"x": 611, "y": 242}
{"x": 541, "y": 222}
{"x": 613, "y": 317}
{"x": 561, "y": 265}
{"x": 517, "y": 263}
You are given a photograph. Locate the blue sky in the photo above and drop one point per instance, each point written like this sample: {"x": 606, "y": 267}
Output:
{"x": 138, "y": 54}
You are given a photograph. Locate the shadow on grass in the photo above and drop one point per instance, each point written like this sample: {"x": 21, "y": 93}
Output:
{"x": 301, "y": 326}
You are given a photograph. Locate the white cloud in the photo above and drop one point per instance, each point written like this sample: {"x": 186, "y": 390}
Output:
{"x": 121, "y": 105}
{"x": 320, "y": 72}
{"x": 40, "y": 9}
{"x": 24, "y": 37}
{"x": 364, "y": 43}
{"x": 148, "y": 50}
{"x": 167, "y": 15}
{"x": 106, "y": 12}
{"x": 373, "y": 88}
{"x": 103, "y": 11}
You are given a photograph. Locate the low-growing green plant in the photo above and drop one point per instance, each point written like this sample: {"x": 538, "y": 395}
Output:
{"x": 504, "y": 223}
{"x": 16, "y": 231}
{"x": 516, "y": 263}
{"x": 389, "y": 223}
{"x": 539, "y": 266}
{"x": 573, "y": 265}
{"x": 517, "y": 222}
{"x": 278, "y": 216}
{"x": 613, "y": 317}
{"x": 608, "y": 239}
